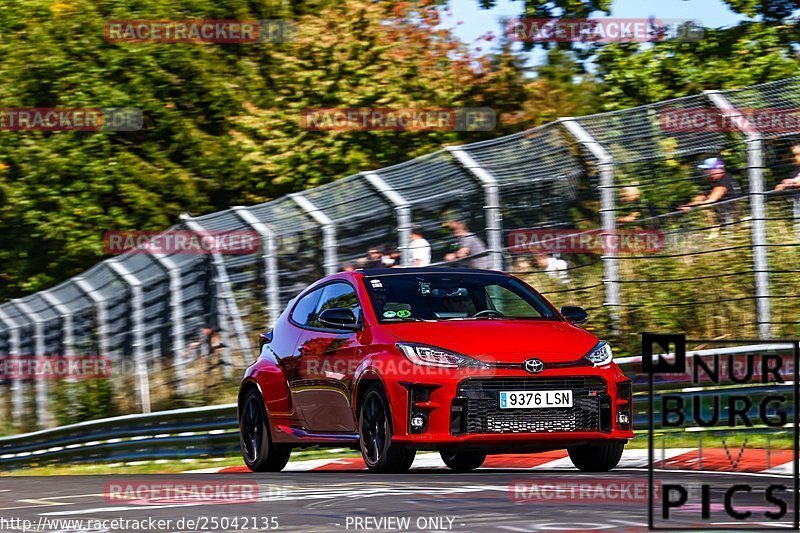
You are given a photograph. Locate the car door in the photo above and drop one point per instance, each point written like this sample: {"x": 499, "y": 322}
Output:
{"x": 325, "y": 361}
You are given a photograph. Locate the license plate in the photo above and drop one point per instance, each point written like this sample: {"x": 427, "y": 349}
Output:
{"x": 535, "y": 399}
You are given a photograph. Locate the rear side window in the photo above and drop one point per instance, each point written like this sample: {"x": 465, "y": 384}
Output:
{"x": 304, "y": 312}
{"x": 337, "y": 295}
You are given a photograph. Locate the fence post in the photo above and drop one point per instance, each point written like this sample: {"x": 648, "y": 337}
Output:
{"x": 225, "y": 298}
{"x": 796, "y": 215}
{"x": 608, "y": 209}
{"x": 68, "y": 334}
{"x": 755, "y": 173}
{"x": 67, "y": 329}
{"x": 402, "y": 209}
{"x": 330, "y": 261}
{"x": 42, "y": 398}
{"x": 137, "y": 331}
{"x": 176, "y": 317}
{"x": 494, "y": 217}
{"x": 100, "y": 309}
{"x": 269, "y": 254}
{"x": 17, "y": 385}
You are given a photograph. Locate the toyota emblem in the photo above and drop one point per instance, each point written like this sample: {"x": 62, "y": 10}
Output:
{"x": 534, "y": 366}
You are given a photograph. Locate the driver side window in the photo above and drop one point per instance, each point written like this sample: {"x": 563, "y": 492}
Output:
{"x": 341, "y": 295}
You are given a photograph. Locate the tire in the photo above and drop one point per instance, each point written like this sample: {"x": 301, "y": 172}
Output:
{"x": 375, "y": 435}
{"x": 596, "y": 456}
{"x": 258, "y": 451}
{"x": 462, "y": 461}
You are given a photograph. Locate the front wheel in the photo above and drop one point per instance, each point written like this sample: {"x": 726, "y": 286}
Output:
{"x": 596, "y": 456}
{"x": 375, "y": 432}
{"x": 462, "y": 461}
{"x": 259, "y": 452}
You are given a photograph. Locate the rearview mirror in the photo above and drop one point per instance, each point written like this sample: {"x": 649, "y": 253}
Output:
{"x": 339, "y": 318}
{"x": 575, "y": 315}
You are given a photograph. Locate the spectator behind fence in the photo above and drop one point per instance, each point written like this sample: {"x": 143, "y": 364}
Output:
{"x": 552, "y": 266}
{"x": 633, "y": 208}
{"x": 469, "y": 246}
{"x": 792, "y": 183}
{"x": 723, "y": 187}
{"x": 419, "y": 248}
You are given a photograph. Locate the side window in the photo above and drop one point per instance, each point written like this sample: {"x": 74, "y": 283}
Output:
{"x": 303, "y": 312}
{"x": 337, "y": 295}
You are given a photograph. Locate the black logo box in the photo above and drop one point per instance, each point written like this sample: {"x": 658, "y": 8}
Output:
{"x": 676, "y": 343}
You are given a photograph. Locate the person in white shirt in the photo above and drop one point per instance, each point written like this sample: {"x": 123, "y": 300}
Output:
{"x": 553, "y": 267}
{"x": 419, "y": 248}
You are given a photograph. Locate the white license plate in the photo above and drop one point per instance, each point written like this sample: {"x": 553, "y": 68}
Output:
{"x": 525, "y": 399}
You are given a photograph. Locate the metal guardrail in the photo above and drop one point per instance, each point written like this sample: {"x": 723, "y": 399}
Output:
{"x": 176, "y": 434}
{"x": 213, "y": 431}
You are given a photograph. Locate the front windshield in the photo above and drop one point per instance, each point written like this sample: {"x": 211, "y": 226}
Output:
{"x": 441, "y": 296}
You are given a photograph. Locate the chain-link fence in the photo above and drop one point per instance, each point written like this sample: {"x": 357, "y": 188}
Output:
{"x": 173, "y": 322}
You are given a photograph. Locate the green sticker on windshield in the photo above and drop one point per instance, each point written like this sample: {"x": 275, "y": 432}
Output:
{"x": 404, "y": 313}
{"x": 389, "y": 314}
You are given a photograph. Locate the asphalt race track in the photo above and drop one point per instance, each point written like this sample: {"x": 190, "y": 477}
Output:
{"x": 431, "y": 500}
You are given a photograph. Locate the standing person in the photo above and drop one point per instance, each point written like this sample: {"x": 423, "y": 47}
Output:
{"x": 419, "y": 249}
{"x": 469, "y": 246}
{"x": 792, "y": 183}
{"x": 723, "y": 187}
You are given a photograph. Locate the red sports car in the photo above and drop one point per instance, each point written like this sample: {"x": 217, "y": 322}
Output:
{"x": 465, "y": 362}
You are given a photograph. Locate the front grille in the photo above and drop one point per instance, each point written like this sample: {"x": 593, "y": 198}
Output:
{"x": 479, "y": 398}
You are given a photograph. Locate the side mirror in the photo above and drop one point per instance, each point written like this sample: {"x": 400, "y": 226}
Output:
{"x": 339, "y": 318}
{"x": 265, "y": 338}
{"x": 575, "y": 315}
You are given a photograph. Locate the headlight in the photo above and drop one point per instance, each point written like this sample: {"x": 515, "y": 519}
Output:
{"x": 600, "y": 355}
{"x": 420, "y": 354}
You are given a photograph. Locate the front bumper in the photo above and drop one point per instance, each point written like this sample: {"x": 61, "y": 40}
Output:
{"x": 461, "y": 408}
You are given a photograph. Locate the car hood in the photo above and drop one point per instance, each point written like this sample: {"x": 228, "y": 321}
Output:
{"x": 506, "y": 341}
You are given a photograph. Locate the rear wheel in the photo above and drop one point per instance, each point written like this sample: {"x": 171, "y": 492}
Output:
{"x": 259, "y": 452}
{"x": 462, "y": 461}
{"x": 596, "y": 456}
{"x": 375, "y": 432}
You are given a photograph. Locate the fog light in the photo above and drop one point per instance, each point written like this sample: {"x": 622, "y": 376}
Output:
{"x": 417, "y": 421}
{"x": 623, "y": 419}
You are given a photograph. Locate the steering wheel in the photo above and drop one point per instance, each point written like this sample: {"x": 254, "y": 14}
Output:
{"x": 488, "y": 312}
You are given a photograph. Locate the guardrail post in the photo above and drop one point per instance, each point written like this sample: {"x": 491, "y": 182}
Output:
{"x": 100, "y": 310}
{"x": 176, "y": 318}
{"x": 41, "y": 382}
{"x": 608, "y": 208}
{"x": 137, "y": 331}
{"x": 269, "y": 254}
{"x": 330, "y": 261}
{"x": 494, "y": 217}
{"x": 67, "y": 329}
{"x": 755, "y": 172}
{"x": 17, "y": 385}
{"x": 225, "y": 298}
{"x": 402, "y": 209}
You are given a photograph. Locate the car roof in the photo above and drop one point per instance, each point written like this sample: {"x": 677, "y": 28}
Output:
{"x": 371, "y": 272}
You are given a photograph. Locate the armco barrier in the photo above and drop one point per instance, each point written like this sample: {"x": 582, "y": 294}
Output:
{"x": 175, "y": 434}
{"x": 213, "y": 431}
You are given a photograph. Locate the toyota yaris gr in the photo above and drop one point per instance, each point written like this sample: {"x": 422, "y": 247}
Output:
{"x": 465, "y": 362}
